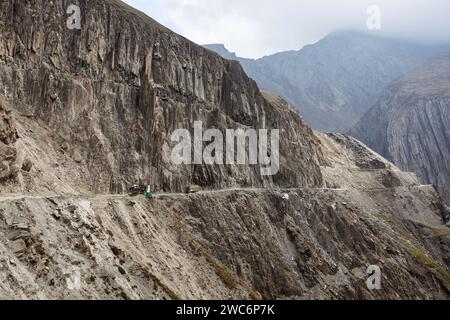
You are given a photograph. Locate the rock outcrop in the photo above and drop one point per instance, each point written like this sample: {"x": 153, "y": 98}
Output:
{"x": 94, "y": 110}
{"x": 8, "y": 136}
{"x": 411, "y": 124}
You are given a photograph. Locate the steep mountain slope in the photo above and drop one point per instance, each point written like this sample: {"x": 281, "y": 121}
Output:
{"x": 84, "y": 113}
{"x": 233, "y": 243}
{"x": 411, "y": 124}
{"x": 114, "y": 96}
{"x": 335, "y": 81}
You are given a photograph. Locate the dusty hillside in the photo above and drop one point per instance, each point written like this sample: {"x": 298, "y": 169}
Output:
{"x": 411, "y": 124}
{"x": 85, "y": 113}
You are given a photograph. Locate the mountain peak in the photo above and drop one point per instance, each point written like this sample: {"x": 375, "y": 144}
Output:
{"x": 220, "y": 49}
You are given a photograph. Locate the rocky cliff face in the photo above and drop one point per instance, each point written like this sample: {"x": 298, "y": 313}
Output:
{"x": 411, "y": 124}
{"x": 336, "y": 80}
{"x": 114, "y": 92}
{"x": 92, "y": 110}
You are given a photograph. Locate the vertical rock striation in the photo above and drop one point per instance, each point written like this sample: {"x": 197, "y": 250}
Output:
{"x": 115, "y": 91}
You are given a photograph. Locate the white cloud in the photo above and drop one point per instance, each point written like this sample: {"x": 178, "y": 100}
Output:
{"x": 254, "y": 28}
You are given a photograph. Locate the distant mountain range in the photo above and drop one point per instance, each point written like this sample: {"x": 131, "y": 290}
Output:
{"x": 337, "y": 80}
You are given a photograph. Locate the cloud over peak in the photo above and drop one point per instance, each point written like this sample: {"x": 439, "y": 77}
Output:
{"x": 254, "y": 28}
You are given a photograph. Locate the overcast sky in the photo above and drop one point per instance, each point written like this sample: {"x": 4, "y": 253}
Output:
{"x": 254, "y": 28}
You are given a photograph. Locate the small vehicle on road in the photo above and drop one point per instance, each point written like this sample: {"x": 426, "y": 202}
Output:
{"x": 193, "y": 188}
{"x": 137, "y": 189}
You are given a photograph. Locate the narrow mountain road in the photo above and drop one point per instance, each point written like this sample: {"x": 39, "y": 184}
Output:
{"x": 13, "y": 197}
